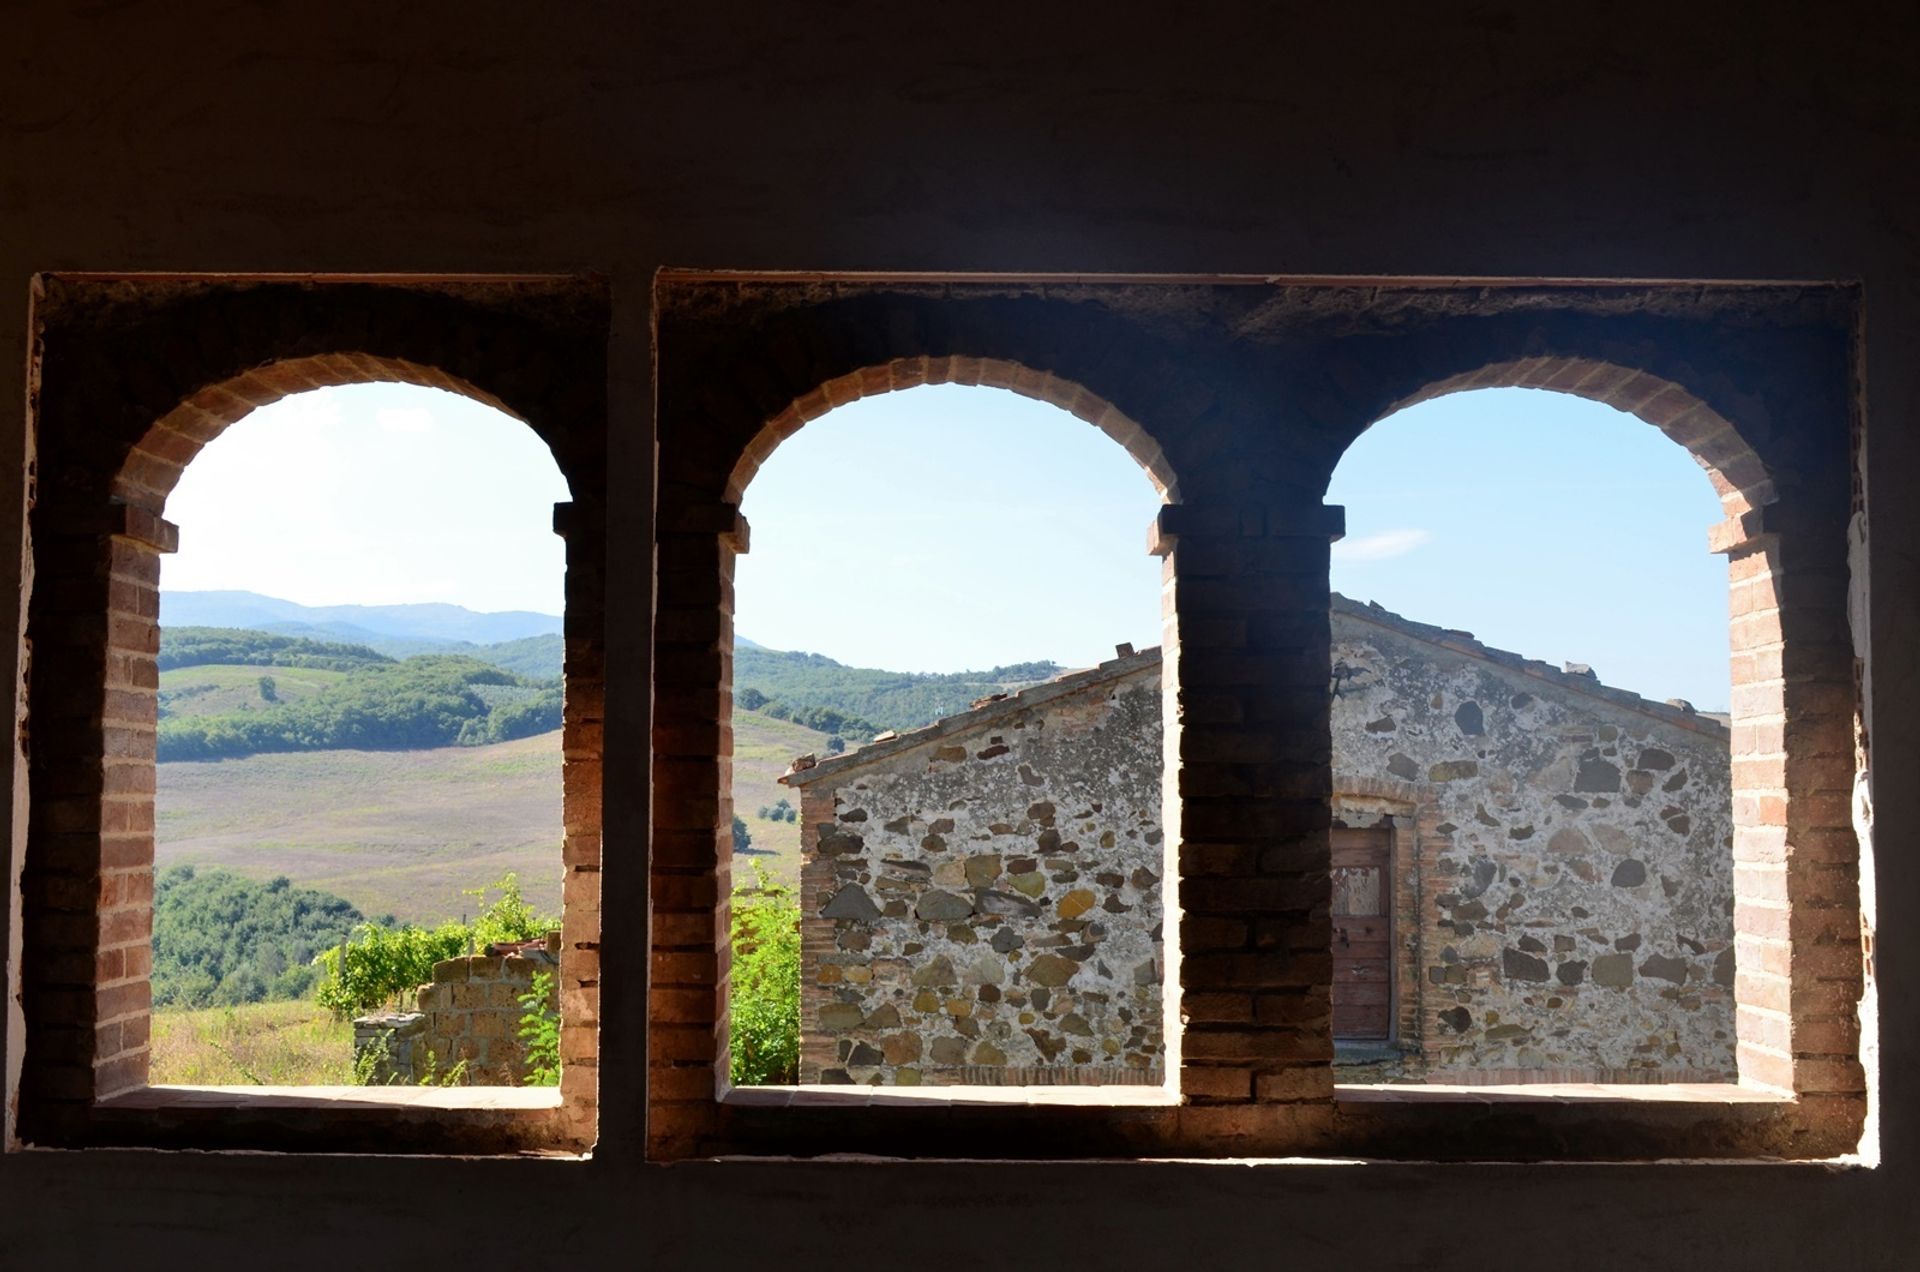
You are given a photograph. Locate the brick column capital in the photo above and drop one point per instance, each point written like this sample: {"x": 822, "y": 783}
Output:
{"x": 1246, "y": 520}
{"x": 115, "y": 519}
{"x": 720, "y": 518}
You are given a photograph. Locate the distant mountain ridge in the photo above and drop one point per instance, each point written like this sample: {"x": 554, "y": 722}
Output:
{"x": 531, "y": 646}
{"x": 433, "y": 622}
{"x": 809, "y": 689}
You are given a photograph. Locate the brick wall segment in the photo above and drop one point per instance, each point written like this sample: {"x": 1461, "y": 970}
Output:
{"x": 113, "y": 445}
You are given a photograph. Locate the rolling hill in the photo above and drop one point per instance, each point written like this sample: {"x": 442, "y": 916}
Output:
{"x": 523, "y": 642}
{"x": 402, "y": 832}
{"x": 888, "y": 699}
{"x": 403, "y": 825}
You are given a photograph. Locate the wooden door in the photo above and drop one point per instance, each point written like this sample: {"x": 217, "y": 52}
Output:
{"x": 1362, "y": 934}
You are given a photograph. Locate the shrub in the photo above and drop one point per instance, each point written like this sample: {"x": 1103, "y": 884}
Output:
{"x": 380, "y": 964}
{"x": 765, "y": 1010}
{"x": 540, "y": 1032}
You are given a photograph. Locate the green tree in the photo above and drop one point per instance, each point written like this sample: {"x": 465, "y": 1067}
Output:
{"x": 221, "y": 939}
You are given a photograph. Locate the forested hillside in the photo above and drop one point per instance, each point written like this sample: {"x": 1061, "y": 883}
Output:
{"x": 207, "y": 646}
{"x": 209, "y": 711}
{"x": 220, "y": 939}
{"x": 802, "y": 686}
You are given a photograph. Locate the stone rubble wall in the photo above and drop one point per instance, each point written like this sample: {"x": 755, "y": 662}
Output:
{"x": 986, "y": 908}
{"x": 471, "y": 1011}
{"x": 1570, "y": 864}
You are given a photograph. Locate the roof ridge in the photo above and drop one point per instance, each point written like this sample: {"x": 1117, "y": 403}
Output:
{"x": 987, "y": 709}
{"x": 1576, "y": 677}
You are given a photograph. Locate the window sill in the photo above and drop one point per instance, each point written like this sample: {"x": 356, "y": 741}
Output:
{"x": 1626, "y": 1093}
{"x": 464, "y": 1121}
{"x": 1118, "y": 1095}
{"x": 502, "y": 1099}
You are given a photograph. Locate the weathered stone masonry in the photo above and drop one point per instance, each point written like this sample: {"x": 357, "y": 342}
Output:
{"x": 1562, "y": 859}
{"x": 469, "y": 1012}
{"x": 981, "y": 898}
{"x": 982, "y": 903}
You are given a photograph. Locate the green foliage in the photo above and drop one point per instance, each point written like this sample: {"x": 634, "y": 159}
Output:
{"x": 765, "y": 1009}
{"x": 857, "y": 702}
{"x": 782, "y": 811}
{"x": 539, "y": 1032}
{"x": 202, "y": 646}
{"x": 269, "y": 692}
{"x": 427, "y": 701}
{"x": 510, "y": 919}
{"x": 379, "y": 964}
{"x": 534, "y": 657}
{"x": 373, "y": 1065}
{"x": 822, "y": 719}
{"x": 220, "y": 939}
{"x": 742, "y": 841}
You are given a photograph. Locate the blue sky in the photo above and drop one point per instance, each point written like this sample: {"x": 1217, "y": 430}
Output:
{"x": 946, "y": 527}
{"x": 373, "y": 494}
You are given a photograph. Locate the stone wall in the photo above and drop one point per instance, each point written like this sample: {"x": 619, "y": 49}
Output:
{"x": 981, "y": 900}
{"x": 471, "y": 1011}
{"x": 1562, "y": 856}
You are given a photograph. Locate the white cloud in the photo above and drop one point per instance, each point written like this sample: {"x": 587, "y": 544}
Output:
{"x": 1383, "y": 546}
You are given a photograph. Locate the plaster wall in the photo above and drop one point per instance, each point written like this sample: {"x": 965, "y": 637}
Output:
{"x": 1705, "y": 141}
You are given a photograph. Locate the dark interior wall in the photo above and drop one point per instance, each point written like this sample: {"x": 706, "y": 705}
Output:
{"x": 1704, "y": 141}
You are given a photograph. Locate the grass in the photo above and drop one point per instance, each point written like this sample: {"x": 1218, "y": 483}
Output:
{"x": 394, "y": 832}
{"x": 403, "y": 832}
{"x": 218, "y": 688}
{"x": 762, "y": 749}
{"x": 261, "y": 1044}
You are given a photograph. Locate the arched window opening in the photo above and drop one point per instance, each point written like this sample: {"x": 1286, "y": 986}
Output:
{"x": 1533, "y": 866}
{"x": 358, "y": 798}
{"x": 949, "y": 850}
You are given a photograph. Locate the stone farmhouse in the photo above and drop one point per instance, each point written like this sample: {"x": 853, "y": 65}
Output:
{"x": 1532, "y": 879}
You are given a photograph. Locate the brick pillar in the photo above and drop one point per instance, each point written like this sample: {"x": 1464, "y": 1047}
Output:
{"x": 583, "y": 730}
{"x": 817, "y": 935}
{"x": 1249, "y": 671}
{"x": 89, "y": 875}
{"x": 692, "y": 857}
{"x": 1796, "y": 884}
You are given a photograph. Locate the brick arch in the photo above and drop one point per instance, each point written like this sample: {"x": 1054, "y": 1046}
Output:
{"x": 1787, "y": 677}
{"x": 139, "y": 376}
{"x": 923, "y": 369}
{"x": 156, "y": 462}
{"x": 722, "y": 412}
{"x": 1739, "y": 476}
